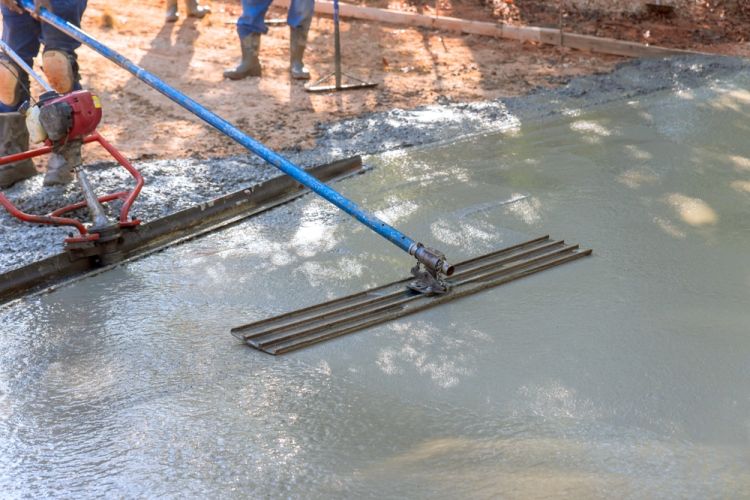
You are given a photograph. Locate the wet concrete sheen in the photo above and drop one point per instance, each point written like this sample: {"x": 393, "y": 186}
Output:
{"x": 622, "y": 375}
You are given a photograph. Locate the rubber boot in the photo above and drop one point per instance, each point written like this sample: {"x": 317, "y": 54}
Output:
{"x": 62, "y": 162}
{"x": 196, "y": 10}
{"x": 172, "y": 14}
{"x": 14, "y": 138}
{"x": 297, "y": 44}
{"x": 250, "y": 65}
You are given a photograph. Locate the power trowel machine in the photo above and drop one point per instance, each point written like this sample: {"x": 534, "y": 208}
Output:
{"x": 57, "y": 120}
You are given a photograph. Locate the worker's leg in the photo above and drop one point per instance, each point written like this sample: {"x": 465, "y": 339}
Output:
{"x": 299, "y": 19}
{"x": 14, "y": 138}
{"x": 61, "y": 68}
{"x": 195, "y": 9}
{"x": 253, "y": 17}
{"x": 172, "y": 13}
{"x": 300, "y": 13}
{"x": 59, "y": 60}
{"x": 250, "y": 26}
{"x": 21, "y": 33}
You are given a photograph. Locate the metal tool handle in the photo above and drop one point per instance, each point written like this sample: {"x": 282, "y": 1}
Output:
{"x": 371, "y": 221}
{"x": 99, "y": 219}
{"x": 336, "y": 44}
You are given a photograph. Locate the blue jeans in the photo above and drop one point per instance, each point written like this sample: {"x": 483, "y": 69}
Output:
{"x": 24, "y": 34}
{"x": 254, "y": 12}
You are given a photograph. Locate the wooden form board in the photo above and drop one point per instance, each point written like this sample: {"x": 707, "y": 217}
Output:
{"x": 550, "y": 36}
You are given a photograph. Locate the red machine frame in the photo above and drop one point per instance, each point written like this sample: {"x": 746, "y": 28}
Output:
{"x": 56, "y": 218}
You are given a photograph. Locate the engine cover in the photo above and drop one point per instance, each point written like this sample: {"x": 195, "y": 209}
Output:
{"x": 70, "y": 116}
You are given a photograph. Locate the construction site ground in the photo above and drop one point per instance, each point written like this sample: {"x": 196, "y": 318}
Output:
{"x": 413, "y": 66}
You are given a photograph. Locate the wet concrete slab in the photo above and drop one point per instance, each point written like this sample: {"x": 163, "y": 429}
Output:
{"x": 177, "y": 184}
{"x": 624, "y": 375}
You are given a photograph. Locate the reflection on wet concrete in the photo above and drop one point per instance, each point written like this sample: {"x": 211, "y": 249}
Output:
{"x": 693, "y": 211}
{"x": 626, "y": 375}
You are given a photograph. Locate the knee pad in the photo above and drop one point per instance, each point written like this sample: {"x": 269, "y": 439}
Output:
{"x": 61, "y": 69}
{"x": 10, "y": 85}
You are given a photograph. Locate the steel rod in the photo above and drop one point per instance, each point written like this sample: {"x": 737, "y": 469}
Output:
{"x": 96, "y": 210}
{"x": 337, "y": 44}
{"x": 388, "y": 232}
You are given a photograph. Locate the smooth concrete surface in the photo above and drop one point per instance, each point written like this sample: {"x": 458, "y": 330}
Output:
{"x": 625, "y": 375}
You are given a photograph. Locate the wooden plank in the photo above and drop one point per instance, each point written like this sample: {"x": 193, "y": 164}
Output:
{"x": 550, "y": 36}
{"x": 619, "y": 47}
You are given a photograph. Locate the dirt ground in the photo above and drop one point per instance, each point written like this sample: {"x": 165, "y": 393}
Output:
{"x": 413, "y": 67}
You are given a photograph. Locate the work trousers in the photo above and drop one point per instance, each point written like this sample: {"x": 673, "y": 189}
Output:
{"x": 24, "y": 35}
{"x": 254, "y": 13}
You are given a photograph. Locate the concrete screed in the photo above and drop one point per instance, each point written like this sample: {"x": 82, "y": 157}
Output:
{"x": 172, "y": 185}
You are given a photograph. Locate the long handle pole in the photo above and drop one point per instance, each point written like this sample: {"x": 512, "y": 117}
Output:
{"x": 428, "y": 258}
{"x": 337, "y": 44}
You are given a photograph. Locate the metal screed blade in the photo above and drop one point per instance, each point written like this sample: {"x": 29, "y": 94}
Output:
{"x": 311, "y": 325}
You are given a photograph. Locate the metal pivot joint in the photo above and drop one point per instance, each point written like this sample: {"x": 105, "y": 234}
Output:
{"x": 429, "y": 281}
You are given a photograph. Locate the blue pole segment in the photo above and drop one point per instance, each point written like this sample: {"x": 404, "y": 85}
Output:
{"x": 385, "y": 230}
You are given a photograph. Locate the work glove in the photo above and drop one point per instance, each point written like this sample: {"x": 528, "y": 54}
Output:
{"x": 12, "y": 5}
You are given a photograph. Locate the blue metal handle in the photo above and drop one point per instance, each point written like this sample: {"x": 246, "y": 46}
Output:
{"x": 388, "y": 232}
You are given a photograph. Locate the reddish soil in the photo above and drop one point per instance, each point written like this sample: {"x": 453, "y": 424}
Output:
{"x": 718, "y": 26}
